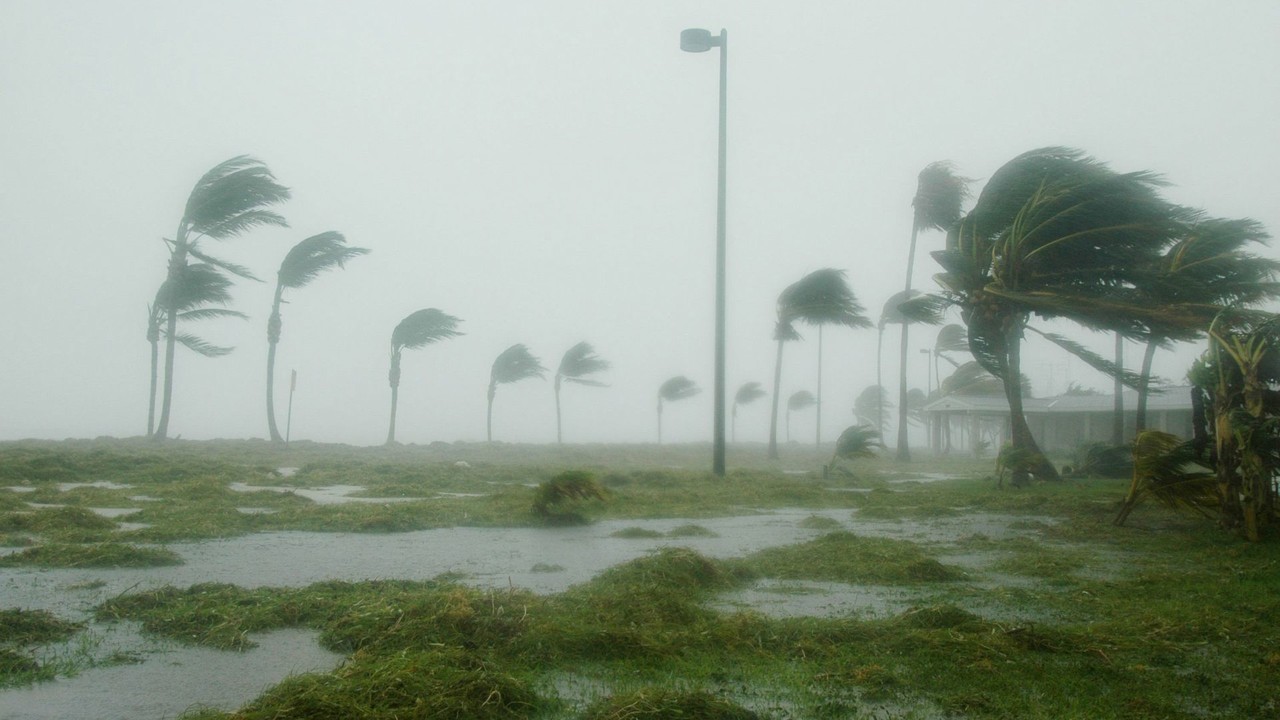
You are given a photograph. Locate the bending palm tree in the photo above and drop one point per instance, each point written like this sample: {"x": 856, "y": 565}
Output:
{"x": 230, "y": 199}
{"x": 417, "y": 330}
{"x": 820, "y": 298}
{"x": 869, "y": 406}
{"x": 301, "y": 265}
{"x": 578, "y": 362}
{"x": 747, "y": 394}
{"x": 890, "y": 314}
{"x": 198, "y": 286}
{"x": 799, "y": 400}
{"x": 1057, "y": 234}
{"x": 514, "y": 364}
{"x": 676, "y": 388}
{"x": 939, "y": 195}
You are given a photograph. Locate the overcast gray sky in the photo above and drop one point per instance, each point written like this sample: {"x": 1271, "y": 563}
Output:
{"x": 546, "y": 172}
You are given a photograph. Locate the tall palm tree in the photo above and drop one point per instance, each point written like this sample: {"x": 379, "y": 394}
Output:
{"x": 799, "y": 400}
{"x": 676, "y": 388}
{"x": 514, "y": 364}
{"x": 576, "y": 365}
{"x": 1056, "y": 234}
{"x": 940, "y": 193}
{"x": 747, "y": 394}
{"x": 230, "y": 199}
{"x": 198, "y": 286}
{"x": 1208, "y": 263}
{"x": 418, "y": 329}
{"x": 302, "y": 264}
{"x": 890, "y": 314}
{"x": 820, "y": 298}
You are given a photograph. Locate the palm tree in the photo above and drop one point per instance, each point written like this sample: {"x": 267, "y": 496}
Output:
{"x": 869, "y": 406}
{"x": 303, "y": 263}
{"x": 676, "y": 388}
{"x": 1207, "y": 264}
{"x": 418, "y": 329}
{"x": 857, "y": 441}
{"x": 799, "y": 400}
{"x": 940, "y": 193}
{"x": 228, "y": 200}
{"x": 578, "y": 362}
{"x": 199, "y": 286}
{"x": 514, "y": 364}
{"x": 820, "y": 298}
{"x": 890, "y": 314}
{"x": 1056, "y": 234}
{"x": 747, "y": 394}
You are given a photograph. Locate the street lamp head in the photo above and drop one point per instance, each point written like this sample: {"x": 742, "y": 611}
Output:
{"x": 697, "y": 40}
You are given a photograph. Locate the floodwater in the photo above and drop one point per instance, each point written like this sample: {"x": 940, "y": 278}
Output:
{"x": 170, "y": 679}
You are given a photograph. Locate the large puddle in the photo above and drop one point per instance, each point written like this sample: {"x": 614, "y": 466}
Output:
{"x": 170, "y": 680}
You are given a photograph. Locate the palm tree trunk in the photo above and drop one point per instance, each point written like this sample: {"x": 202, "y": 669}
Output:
{"x": 1019, "y": 431}
{"x": 273, "y": 338}
{"x": 733, "y": 424}
{"x": 659, "y": 421}
{"x": 559, "y": 438}
{"x": 488, "y": 421}
{"x": 773, "y": 415}
{"x": 393, "y": 377}
{"x": 818, "y": 396}
{"x": 1117, "y": 421}
{"x": 879, "y": 382}
{"x": 177, "y": 262}
{"x": 1144, "y": 388}
{"x": 155, "y": 376}
{"x": 904, "y": 452}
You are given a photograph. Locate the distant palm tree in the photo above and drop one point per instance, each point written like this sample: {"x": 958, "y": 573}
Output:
{"x": 747, "y": 394}
{"x": 799, "y": 400}
{"x": 301, "y": 265}
{"x": 857, "y": 441}
{"x": 514, "y": 364}
{"x": 676, "y": 388}
{"x": 198, "y": 286}
{"x": 820, "y": 298}
{"x": 578, "y": 362}
{"x": 890, "y": 314}
{"x": 418, "y": 329}
{"x": 228, "y": 200}
{"x": 940, "y": 193}
{"x": 870, "y": 404}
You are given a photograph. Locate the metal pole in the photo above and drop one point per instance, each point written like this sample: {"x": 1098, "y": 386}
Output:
{"x": 717, "y": 461}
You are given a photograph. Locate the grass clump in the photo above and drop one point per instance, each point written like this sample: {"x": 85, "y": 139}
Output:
{"x": 34, "y": 627}
{"x": 690, "y": 530}
{"x": 658, "y": 703}
{"x": 560, "y": 500}
{"x": 636, "y": 533}
{"x": 849, "y": 558}
{"x": 98, "y": 555}
{"x": 820, "y": 522}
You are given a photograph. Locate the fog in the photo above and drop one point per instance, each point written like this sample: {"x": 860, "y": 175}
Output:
{"x": 547, "y": 172}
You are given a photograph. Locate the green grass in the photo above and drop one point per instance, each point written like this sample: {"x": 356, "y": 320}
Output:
{"x": 96, "y": 555}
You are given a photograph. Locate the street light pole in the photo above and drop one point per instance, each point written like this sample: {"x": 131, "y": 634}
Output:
{"x": 698, "y": 40}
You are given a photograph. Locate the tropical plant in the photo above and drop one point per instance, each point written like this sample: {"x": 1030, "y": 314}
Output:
{"x": 869, "y": 406}
{"x": 1172, "y": 471}
{"x": 676, "y": 388}
{"x": 514, "y": 364}
{"x": 1207, "y": 264}
{"x": 1055, "y": 234}
{"x": 230, "y": 199}
{"x": 198, "y": 286}
{"x": 557, "y": 500}
{"x": 578, "y": 362}
{"x": 417, "y": 330}
{"x": 747, "y": 394}
{"x": 799, "y": 400}
{"x": 302, "y": 264}
{"x": 890, "y": 314}
{"x": 820, "y": 298}
{"x": 857, "y": 441}
{"x": 940, "y": 194}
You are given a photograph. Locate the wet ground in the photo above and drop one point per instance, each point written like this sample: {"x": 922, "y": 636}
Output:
{"x": 166, "y": 679}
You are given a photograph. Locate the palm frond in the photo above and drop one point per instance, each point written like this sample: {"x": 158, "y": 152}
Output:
{"x": 822, "y": 297}
{"x": 857, "y": 441}
{"x": 940, "y": 193}
{"x": 928, "y": 309}
{"x": 202, "y": 346}
{"x": 313, "y": 256}
{"x": 869, "y": 404}
{"x": 971, "y": 379}
{"x": 234, "y": 269}
{"x": 211, "y": 314}
{"x": 579, "y": 361}
{"x": 231, "y": 197}
{"x": 801, "y": 400}
{"x": 584, "y": 381}
{"x": 424, "y": 327}
{"x": 514, "y": 364}
{"x": 748, "y": 393}
{"x": 951, "y": 338}
{"x": 1127, "y": 377}
{"x": 1170, "y": 470}
{"x": 891, "y": 313}
{"x": 678, "y": 388}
